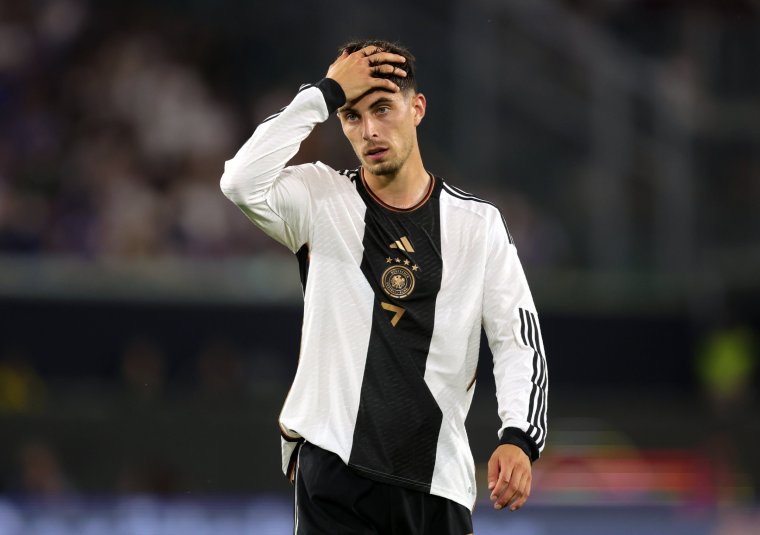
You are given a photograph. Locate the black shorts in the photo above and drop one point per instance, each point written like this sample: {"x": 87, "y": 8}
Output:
{"x": 332, "y": 499}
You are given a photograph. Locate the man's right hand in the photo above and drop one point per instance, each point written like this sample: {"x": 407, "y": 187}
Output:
{"x": 357, "y": 73}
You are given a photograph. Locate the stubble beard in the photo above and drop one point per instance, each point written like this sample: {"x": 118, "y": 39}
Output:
{"x": 384, "y": 168}
{"x": 388, "y": 168}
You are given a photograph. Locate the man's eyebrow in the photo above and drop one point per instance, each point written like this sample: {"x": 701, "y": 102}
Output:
{"x": 381, "y": 100}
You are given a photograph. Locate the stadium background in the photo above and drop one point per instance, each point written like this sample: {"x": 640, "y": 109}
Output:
{"x": 148, "y": 332}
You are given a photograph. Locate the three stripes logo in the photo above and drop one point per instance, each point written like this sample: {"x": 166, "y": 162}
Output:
{"x": 530, "y": 333}
{"x": 403, "y": 244}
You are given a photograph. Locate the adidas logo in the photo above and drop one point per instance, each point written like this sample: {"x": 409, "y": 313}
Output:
{"x": 403, "y": 244}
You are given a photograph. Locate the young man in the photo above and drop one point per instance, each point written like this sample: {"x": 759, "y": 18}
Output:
{"x": 400, "y": 270}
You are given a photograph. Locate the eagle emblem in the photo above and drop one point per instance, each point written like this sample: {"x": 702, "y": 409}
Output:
{"x": 397, "y": 281}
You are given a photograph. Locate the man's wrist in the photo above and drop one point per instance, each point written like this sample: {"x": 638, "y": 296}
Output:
{"x": 518, "y": 437}
{"x": 333, "y": 93}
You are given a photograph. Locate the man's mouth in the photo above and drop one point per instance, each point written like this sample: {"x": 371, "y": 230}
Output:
{"x": 376, "y": 153}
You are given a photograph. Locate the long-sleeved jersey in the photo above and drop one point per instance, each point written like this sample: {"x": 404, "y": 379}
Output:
{"x": 394, "y": 301}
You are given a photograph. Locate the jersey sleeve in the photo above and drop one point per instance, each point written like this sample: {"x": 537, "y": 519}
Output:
{"x": 514, "y": 336}
{"x": 274, "y": 197}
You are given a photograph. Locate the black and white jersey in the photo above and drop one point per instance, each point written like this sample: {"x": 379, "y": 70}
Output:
{"x": 394, "y": 301}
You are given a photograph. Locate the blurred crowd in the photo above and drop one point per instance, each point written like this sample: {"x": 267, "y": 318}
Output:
{"x": 111, "y": 143}
{"x": 115, "y": 130}
{"x": 117, "y": 119}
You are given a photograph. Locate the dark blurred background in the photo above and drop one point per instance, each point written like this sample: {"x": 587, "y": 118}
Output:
{"x": 149, "y": 333}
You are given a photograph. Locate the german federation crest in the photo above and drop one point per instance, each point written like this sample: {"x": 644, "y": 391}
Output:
{"x": 397, "y": 281}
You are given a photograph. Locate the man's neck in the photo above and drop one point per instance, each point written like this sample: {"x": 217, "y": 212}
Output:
{"x": 405, "y": 188}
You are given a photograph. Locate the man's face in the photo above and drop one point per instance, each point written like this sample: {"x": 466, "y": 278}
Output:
{"x": 381, "y": 127}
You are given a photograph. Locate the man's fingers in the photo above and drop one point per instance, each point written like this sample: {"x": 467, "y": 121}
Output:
{"x": 524, "y": 495}
{"x": 493, "y": 471}
{"x": 517, "y": 495}
{"x": 366, "y": 70}
{"x": 383, "y": 57}
{"x": 384, "y": 83}
{"x": 386, "y": 57}
{"x": 509, "y": 477}
{"x": 385, "y": 68}
{"x": 521, "y": 501}
{"x": 502, "y": 483}
{"x": 370, "y": 50}
{"x": 378, "y": 55}
{"x": 510, "y": 494}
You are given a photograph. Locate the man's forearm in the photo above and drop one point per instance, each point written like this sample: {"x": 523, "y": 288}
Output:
{"x": 249, "y": 176}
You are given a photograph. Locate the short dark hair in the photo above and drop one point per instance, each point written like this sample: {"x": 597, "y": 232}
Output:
{"x": 409, "y": 82}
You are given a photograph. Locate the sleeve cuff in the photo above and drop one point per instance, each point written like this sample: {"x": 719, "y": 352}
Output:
{"x": 518, "y": 437}
{"x": 333, "y": 93}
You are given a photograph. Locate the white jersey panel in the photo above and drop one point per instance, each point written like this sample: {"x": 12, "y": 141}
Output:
{"x": 324, "y": 399}
{"x": 455, "y": 345}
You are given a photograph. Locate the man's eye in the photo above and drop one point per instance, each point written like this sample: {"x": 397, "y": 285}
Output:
{"x": 383, "y": 109}
{"x": 351, "y": 117}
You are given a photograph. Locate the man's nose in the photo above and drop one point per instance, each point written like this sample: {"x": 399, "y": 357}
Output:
{"x": 368, "y": 128}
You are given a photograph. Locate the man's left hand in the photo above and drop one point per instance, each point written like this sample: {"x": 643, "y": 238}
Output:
{"x": 509, "y": 477}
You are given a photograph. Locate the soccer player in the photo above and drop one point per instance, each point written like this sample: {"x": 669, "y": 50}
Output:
{"x": 400, "y": 269}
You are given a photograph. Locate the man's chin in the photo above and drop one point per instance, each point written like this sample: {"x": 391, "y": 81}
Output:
{"x": 381, "y": 168}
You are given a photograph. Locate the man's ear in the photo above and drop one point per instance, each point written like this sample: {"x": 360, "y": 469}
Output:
{"x": 419, "y": 104}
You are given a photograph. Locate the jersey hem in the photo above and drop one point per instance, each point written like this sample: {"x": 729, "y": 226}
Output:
{"x": 390, "y": 479}
{"x": 374, "y": 475}
{"x": 468, "y": 501}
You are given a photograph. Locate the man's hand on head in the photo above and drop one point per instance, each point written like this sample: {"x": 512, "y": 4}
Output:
{"x": 360, "y": 72}
{"x": 509, "y": 477}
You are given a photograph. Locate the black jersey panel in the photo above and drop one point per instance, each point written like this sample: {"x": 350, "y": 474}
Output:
{"x": 398, "y": 422}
